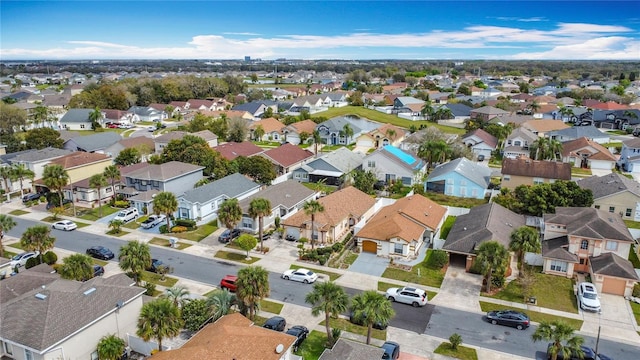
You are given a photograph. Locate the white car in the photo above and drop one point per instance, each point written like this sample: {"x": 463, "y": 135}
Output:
{"x": 153, "y": 220}
{"x": 588, "y": 297}
{"x": 125, "y": 126}
{"x": 408, "y": 295}
{"x": 66, "y": 225}
{"x": 151, "y": 128}
{"x": 301, "y": 275}
{"x": 21, "y": 259}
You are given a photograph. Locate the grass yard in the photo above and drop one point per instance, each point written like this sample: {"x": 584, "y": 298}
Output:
{"x": 133, "y": 225}
{"x": 117, "y": 234}
{"x": 18, "y": 212}
{"x": 633, "y": 257}
{"x": 462, "y": 352}
{"x": 259, "y": 320}
{"x": 270, "y": 306}
{"x": 383, "y": 286}
{"x": 166, "y": 243}
{"x": 327, "y": 189}
{"x": 332, "y": 276}
{"x": 533, "y": 315}
{"x": 636, "y": 311}
{"x": 148, "y": 276}
{"x": 93, "y": 215}
{"x": 446, "y": 226}
{"x": 200, "y": 233}
{"x": 351, "y": 258}
{"x": 16, "y": 245}
{"x": 346, "y": 325}
{"x": 630, "y": 224}
{"x": 99, "y": 262}
{"x": 580, "y": 171}
{"x": 420, "y": 274}
{"x": 313, "y": 346}
{"x": 445, "y": 200}
{"x": 221, "y": 254}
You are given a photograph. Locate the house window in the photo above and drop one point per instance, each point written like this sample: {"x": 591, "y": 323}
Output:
{"x": 463, "y": 182}
{"x": 296, "y": 175}
{"x": 107, "y": 190}
{"x": 537, "y": 180}
{"x": 597, "y": 206}
{"x": 28, "y": 355}
{"x": 627, "y": 212}
{"x": 371, "y": 164}
{"x": 305, "y": 176}
{"x": 612, "y": 209}
{"x": 584, "y": 245}
{"x": 8, "y": 349}
{"x": 506, "y": 177}
{"x": 406, "y": 180}
{"x": 559, "y": 266}
{"x": 612, "y": 245}
{"x": 398, "y": 248}
{"x": 448, "y": 190}
{"x": 81, "y": 126}
{"x": 474, "y": 193}
{"x": 582, "y": 261}
{"x": 463, "y": 191}
{"x": 450, "y": 181}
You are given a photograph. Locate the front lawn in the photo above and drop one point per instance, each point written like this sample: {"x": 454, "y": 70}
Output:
{"x": 198, "y": 234}
{"x": 533, "y": 315}
{"x": 166, "y": 243}
{"x": 447, "y": 200}
{"x": 92, "y": 214}
{"x": 18, "y": 212}
{"x": 423, "y": 273}
{"x": 118, "y": 233}
{"x": 150, "y": 277}
{"x": 270, "y": 306}
{"x": 580, "y": 171}
{"x": 462, "y": 352}
{"x": 221, "y": 254}
{"x": 630, "y": 224}
{"x": 313, "y": 346}
{"x": 636, "y": 311}
{"x": 346, "y": 325}
{"x": 332, "y": 276}
{"x": 384, "y": 286}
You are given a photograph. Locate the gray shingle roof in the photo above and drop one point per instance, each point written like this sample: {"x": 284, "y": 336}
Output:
{"x": 343, "y": 159}
{"x": 163, "y": 172}
{"x": 95, "y": 142}
{"x": 590, "y": 223}
{"x": 287, "y": 194}
{"x": 35, "y": 155}
{"x": 613, "y": 183}
{"x": 612, "y": 265}
{"x": 231, "y": 186}
{"x": 478, "y": 174}
{"x": 575, "y": 132}
{"x": 76, "y": 116}
{"x": 557, "y": 248}
{"x": 352, "y": 350}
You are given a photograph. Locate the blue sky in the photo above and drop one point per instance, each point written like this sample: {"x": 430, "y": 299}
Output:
{"x": 507, "y": 30}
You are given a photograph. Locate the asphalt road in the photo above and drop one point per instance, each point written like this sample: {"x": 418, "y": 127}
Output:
{"x": 437, "y": 321}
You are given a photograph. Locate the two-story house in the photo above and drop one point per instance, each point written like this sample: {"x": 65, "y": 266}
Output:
{"x": 386, "y": 134}
{"x": 78, "y": 119}
{"x": 300, "y": 130}
{"x": 524, "y": 171}
{"x": 147, "y": 113}
{"x": 518, "y": 142}
{"x": 481, "y": 143}
{"x": 333, "y": 132}
{"x": 614, "y": 193}
{"x": 391, "y": 164}
{"x": 630, "y": 156}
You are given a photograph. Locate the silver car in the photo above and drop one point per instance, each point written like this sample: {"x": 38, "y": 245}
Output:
{"x": 21, "y": 259}
{"x": 408, "y": 295}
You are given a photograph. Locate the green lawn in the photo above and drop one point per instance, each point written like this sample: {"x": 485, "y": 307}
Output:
{"x": 270, "y": 306}
{"x": 18, "y": 212}
{"x": 235, "y": 257}
{"x": 200, "y": 233}
{"x": 419, "y": 274}
{"x": 346, "y": 325}
{"x": 446, "y": 226}
{"x": 580, "y": 171}
{"x": 92, "y": 214}
{"x": 351, "y": 258}
{"x": 100, "y": 262}
{"x": 16, "y": 245}
{"x": 154, "y": 278}
{"x": 166, "y": 243}
{"x": 630, "y": 224}
{"x": 383, "y": 286}
{"x": 633, "y": 257}
{"x": 533, "y": 315}
{"x": 636, "y": 311}
{"x": 313, "y": 346}
{"x": 552, "y": 292}
{"x": 327, "y": 189}
{"x": 443, "y": 200}
{"x": 332, "y": 276}
{"x": 117, "y": 234}
{"x": 133, "y": 225}
{"x": 462, "y": 352}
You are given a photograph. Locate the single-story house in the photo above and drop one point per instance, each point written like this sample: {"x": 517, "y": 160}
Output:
{"x": 78, "y": 119}
{"x": 330, "y": 167}
{"x": 97, "y": 143}
{"x": 392, "y": 164}
{"x": 287, "y": 157}
{"x": 480, "y": 142}
{"x": 460, "y": 177}
{"x": 163, "y": 140}
{"x": 231, "y": 150}
{"x": 588, "y": 154}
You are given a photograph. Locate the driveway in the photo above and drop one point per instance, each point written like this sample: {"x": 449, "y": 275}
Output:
{"x": 616, "y": 318}
{"x": 369, "y": 264}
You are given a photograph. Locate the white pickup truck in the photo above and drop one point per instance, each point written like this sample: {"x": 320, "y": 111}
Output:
{"x": 153, "y": 220}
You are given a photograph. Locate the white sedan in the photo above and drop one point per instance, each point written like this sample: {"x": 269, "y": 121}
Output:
{"x": 301, "y": 275}
{"x": 66, "y": 225}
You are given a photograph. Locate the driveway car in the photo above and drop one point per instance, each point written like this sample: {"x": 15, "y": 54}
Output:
{"x": 127, "y": 215}
{"x": 301, "y": 275}
{"x": 100, "y": 252}
{"x": 511, "y": 318}
{"x": 153, "y": 220}
{"x": 125, "y": 126}
{"x": 229, "y": 235}
{"x": 21, "y": 259}
{"x": 360, "y": 321}
{"x": 277, "y": 323}
{"x": 66, "y": 225}
{"x": 155, "y": 264}
{"x": 31, "y": 197}
{"x": 391, "y": 350}
{"x": 98, "y": 270}
{"x": 588, "y": 354}
{"x": 229, "y": 282}
{"x": 151, "y": 128}
{"x": 290, "y": 237}
{"x": 300, "y": 332}
{"x": 588, "y": 297}
{"x": 408, "y": 295}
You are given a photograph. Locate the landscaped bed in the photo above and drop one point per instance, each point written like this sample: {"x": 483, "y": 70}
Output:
{"x": 424, "y": 273}
{"x": 533, "y": 315}
{"x": 150, "y": 277}
{"x": 221, "y": 254}
{"x": 198, "y": 234}
{"x": 462, "y": 352}
{"x": 166, "y": 243}
{"x": 346, "y": 325}
{"x": 92, "y": 214}
{"x": 18, "y": 212}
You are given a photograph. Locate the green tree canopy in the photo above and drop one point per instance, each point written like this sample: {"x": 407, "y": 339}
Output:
{"x": 372, "y": 307}
{"x": 110, "y": 347}
{"x": 195, "y": 314}
{"x": 562, "y": 338}
{"x": 330, "y": 299}
{"x": 77, "y": 267}
{"x": 492, "y": 257}
{"x": 253, "y": 286}
{"x": 165, "y": 203}
{"x": 128, "y": 156}
{"x": 6, "y": 223}
{"x": 40, "y": 138}
{"x": 524, "y": 239}
{"x": 37, "y": 238}
{"x": 135, "y": 257}
{"x": 259, "y": 168}
{"x": 246, "y": 242}
{"x": 55, "y": 177}
{"x": 364, "y": 180}
{"x": 159, "y": 319}
{"x": 259, "y": 208}
{"x": 98, "y": 182}
{"x": 311, "y": 208}
{"x": 542, "y": 199}
{"x": 230, "y": 213}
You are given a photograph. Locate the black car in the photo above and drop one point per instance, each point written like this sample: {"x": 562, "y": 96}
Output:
{"x": 98, "y": 270}
{"x": 359, "y": 321}
{"x": 587, "y": 354}
{"x": 265, "y": 237}
{"x": 290, "y": 237}
{"x": 300, "y": 332}
{"x": 276, "y": 323}
{"x": 100, "y": 252}
{"x": 391, "y": 350}
{"x": 155, "y": 264}
{"x": 229, "y": 235}
{"x": 31, "y": 197}
{"x": 511, "y": 318}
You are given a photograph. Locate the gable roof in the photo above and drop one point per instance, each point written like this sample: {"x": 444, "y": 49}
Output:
{"x": 79, "y": 158}
{"x": 137, "y": 142}
{"x": 26, "y": 280}
{"x": 232, "y": 150}
{"x": 287, "y": 154}
{"x": 544, "y": 125}
{"x": 96, "y": 141}
{"x": 610, "y": 264}
{"x": 307, "y": 126}
{"x": 231, "y": 186}
{"x": 558, "y": 248}
{"x": 287, "y": 194}
{"x": 352, "y": 350}
{"x": 606, "y": 185}
{"x": 632, "y": 143}
{"x": 591, "y": 223}
{"x": 583, "y": 146}
{"x": 536, "y": 168}
{"x": 35, "y": 155}
{"x": 574, "y": 132}
{"x": 487, "y": 138}
{"x": 76, "y": 116}
{"x": 478, "y": 174}
{"x": 163, "y": 172}
{"x": 489, "y": 110}
{"x": 343, "y": 159}
{"x": 523, "y": 133}
{"x": 269, "y": 125}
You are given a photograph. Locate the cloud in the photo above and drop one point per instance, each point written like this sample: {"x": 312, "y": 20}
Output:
{"x": 531, "y": 19}
{"x": 241, "y": 33}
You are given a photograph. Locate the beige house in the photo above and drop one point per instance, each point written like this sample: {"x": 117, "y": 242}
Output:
{"x": 614, "y": 193}
{"x": 524, "y": 171}
{"x": 386, "y": 134}
{"x": 163, "y": 140}
{"x": 80, "y": 165}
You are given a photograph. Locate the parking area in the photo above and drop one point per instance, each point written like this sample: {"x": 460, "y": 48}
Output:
{"x": 369, "y": 264}
{"x": 615, "y": 316}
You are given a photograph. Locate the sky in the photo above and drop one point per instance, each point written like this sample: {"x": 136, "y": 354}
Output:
{"x": 347, "y": 30}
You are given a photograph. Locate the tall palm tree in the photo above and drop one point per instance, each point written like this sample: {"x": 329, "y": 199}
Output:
{"x": 21, "y": 172}
{"x": 434, "y": 151}
{"x": 540, "y": 148}
{"x": 348, "y": 133}
{"x": 329, "y": 298}
{"x": 259, "y": 208}
{"x": 258, "y": 133}
{"x": 372, "y": 307}
{"x": 179, "y": 295}
{"x": 555, "y": 149}
{"x": 55, "y": 177}
{"x": 112, "y": 173}
{"x": 40, "y": 115}
{"x": 77, "y": 267}
{"x": 524, "y": 239}
{"x": 159, "y": 319}
{"x": 558, "y": 332}
{"x": 534, "y": 106}
{"x": 312, "y": 207}
{"x": 135, "y": 257}
{"x": 6, "y": 224}
{"x": 110, "y": 347}
{"x": 427, "y": 110}
{"x": 165, "y": 203}
{"x": 230, "y": 213}
{"x": 492, "y": 256}
{"x": 6, "y": 174}
{"x": 220, "y": 301}
{"x": 253, "y": 286}
{"x": 317, "y": 140}
{"x": 98, "y": 181}
{"x": 95, "y": 116}
{"x": 36, "y": 238}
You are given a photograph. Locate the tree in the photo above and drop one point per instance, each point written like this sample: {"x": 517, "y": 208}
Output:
{"x": 259, "y": 168}
{"x": 11, "y": 118}
{"x": 179, "y": 295}
{"x": 98, "y": 181}
{"x": 36, "y": 238}
{"x": 115, "y": 226}
{"x": 237, "y": 130}
{"x": 220, "y": 302}
{"x": 455, "y": 340}
{"x": 246, "y": 242}
{"x": 312, "y": 207}
{"x": 492, "y": 256}
{"x": 195, "y": 314}
{"x": 372, "y": 307}
{"x": 6, "y": 224}
{"x": 524, "y": 239}
{"x": 112, "y": 173}
{"x": 128, "y": 156}
{"x": 329, "y": 298}
{"x": 165, "y": 203}
{"x": 347, "y": 131}
{"x": 159, "y": 319}
{"x": 427, "y": 110}
{"x": 77, "y": 267}
{"x": 6, "y": 174}
{"x": 253, "y": 286}
{"x": 135, "y": 257}
{"x": 364, "y": 180}
{"x": 21, "y": 172}
{"x": 258, "y": 133}
{"x": 95, "y": 116}
{"x": 317, "y": 140}
{"x": 434, "y": 151}
{"x": 41, "y": 138}
{"x": 259, "y": 208}
{"x": 55, "y": 177}
{"x": 110, "y": 347}
{"x": 562, "y": 339}
{"x": 230, "y": 213}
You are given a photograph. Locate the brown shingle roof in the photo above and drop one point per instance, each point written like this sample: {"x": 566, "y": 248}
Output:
{"x": 287, "y": 154}
{"x": 232, "y": 150}
{"x": 79, "y": 158}
{"x": 544, "y": 125}
{"x": 591, "y": 223}
{"x": 558, "y": 248}
{"x": 307, "y": 126}
{"x": 535, "y": 168}
{"x": 269, "y": 125}
{"x": 592, "y": 149}
{"x": 137, "y": 142}
{"x": 487, "y": 138}
{"x": 612, "y": 265}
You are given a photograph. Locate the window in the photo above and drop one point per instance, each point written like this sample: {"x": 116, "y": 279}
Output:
{"x": 81, "y": 126}
{"x": 627, "y": 212}
{"x": 537, "y": 180}
{"x": 107, "y": 189}
{"x": 450, "y": 181}
{"x": 612, "y": 209}
{"x": 371, "y": 164}
{"x": 398, "y": 249}
{"x": 584, "y": 245}
{"x": 463, "y": 182}
{"x": 305, "y": 176}
{"x": 597, "y": 206}
{"x": 612, "y": 245}
{"x": 406, "y": 180}
{"x": 559, "y": 266}
{"x": 296, "y": 175}
{"x": 28, "y": 355}
{"x": 8, "y": 348}
{"x": 506, "y": 177}
{"x": 582, "y": 261}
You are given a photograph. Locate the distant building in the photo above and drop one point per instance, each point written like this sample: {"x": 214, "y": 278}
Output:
{"x": 247, "y": 58}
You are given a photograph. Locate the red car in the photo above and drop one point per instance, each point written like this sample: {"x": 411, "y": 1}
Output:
{"x": 229, "y": 282}
{"x": 113, "y": 125}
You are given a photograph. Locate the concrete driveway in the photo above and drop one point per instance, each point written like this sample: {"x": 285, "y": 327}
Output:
{"x": 369, "y": 264}
{"x": 616, "y": 318}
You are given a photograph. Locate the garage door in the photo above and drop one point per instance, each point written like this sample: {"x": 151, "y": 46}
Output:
{"x": 613, "y": 286}
{"x": 369, "y": 246}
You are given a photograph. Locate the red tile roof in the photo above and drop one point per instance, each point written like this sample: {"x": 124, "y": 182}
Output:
{"x": 232, "y": 150}
{"x": 288, "y": 154}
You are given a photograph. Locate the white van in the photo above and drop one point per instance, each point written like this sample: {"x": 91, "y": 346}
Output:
{"x": 127, "y": 215}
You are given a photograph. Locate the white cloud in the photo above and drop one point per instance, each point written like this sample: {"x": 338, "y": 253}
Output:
{"x": 241, "y": 33}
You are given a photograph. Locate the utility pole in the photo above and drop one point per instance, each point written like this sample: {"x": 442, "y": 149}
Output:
{"x": 598, "y": 341}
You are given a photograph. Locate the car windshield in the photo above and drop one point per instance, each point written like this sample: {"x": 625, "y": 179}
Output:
{"x": 310, "y": 273}
{"x": 17, "y": 257}
{"x": 589, "y": 296}
{"x": 122, "y": 213}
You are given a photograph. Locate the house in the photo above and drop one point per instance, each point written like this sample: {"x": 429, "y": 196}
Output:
{"x": 352, "y": 350}
{"x": 332, "y": 131}
{"x": 343, "y": 209}
{"x": 542, "y": 127}
{"x": 460, "y": 177}
{"x": 120, "y": 117}
{"x": 298, "y": 130}
{"x": 82, "y": 165}
{"x": 286, "y": 199}
{"x": 144, "y": 144}
{"x": 97, "y": 142}
{"x": 85, "y": 193}
{"x": 487, "y": 113}
{"x": 230, "y": 114}
{"x": 78, "y": 119}
{"x": 517, "y": 143}
{"x": 402, "y": 228}
{"x": 202, "y": 203}
{"x": 172, "y": 176}
{"x": 273, "y": 130}
{"x": 330, "y": 168}
{"x": 83, "y": 312}
{"x": 460, "y": 112}
{"x": 630, "y": 155}
{"x": 524, "y": 171}
{"x": 591, "y": 241}
{"x": 588, "y": 154}
{"x": 199, "y": 105}
{"x": 386, "y": 134}
{"x": 232, "y": 150}
{"x": 163, "y": 140}
{"x": 35, "y": 159}
{"x": 488, "y": 222}
{"x": 257, "y": 108}
{"x": 147, "y": 113}
{"x": 614, "y": 193}
{"x": 287, "y": 157}
{"x": 480, "y": 142}
{"x": 230, "y": 335}
{"x": 391, "y": 164}
{"x": 577, "y": 132}
{"x": 408, "y": 105}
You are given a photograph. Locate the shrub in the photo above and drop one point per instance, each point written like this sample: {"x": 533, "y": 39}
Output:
{"x": 43, "y": 199}
{"x": 32, "y": 262}
{"x": 455, "y": 339}
{"x": 151, "y": 288}
{"x": 438, "y": 259}
{"x": 476, "y": 268}
{"x": 188, "y": 223}
{"x": 50, "y": 257}
{"x": 121, "y": 204}
{"x": 497, "y": 281}
{"x": 179, "y": 229}
{"x": 163, "y": 229}
{"x": 323, "y": 259}
{"x": 337, "y": 247}
{"x": 636, "y": 290}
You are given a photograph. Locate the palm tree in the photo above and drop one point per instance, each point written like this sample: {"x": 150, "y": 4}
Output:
{"x": 6, "y": 224}
{"x": 555, "y": 149}
{"x": 558, "y": 332}
{"x": 443, "y": 113}
{"x": 165, "y": 203}
{"x": 253, "y": 286}
{"x": 348, "y": 133}
{"x": 135, "y": 257}
{"x": 112, "y": 173}
{"x": 36, "y": 238}
{"x": 6, "y": 174}
{"x": 427, "y": 110}
{"x": 312, "y": 207}
{"x": 372, "y": 307}
{"x": 492, "y": 256}
{"x": 179, "y": 295}
{"x": 110, "y": 347}
{"x": 434, "y": 151}
{"x": 259, "y": 208}
{"x": 317, "y": 140}
{"x": 98, "y": 181}
{"x": 540, "y": 148}
{"x": 220, "y": 301}
{"x": 230, "y": 213}
{"x": 40, "y": 114}
{"x": 77, "y": 267}
{"x": 95, "y": 117}
{"x": 258, "y": 133}
{"x": 55, "y": 177}
{"x": 21, "y": 172}
{"x": 524, "y": 239}
{"x": 329, "y": 298}
{"x": 534, "y": 106}
{"x": 159, "y": 319}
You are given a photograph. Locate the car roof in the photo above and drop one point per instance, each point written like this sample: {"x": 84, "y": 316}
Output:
{"x": 230, "y": 277}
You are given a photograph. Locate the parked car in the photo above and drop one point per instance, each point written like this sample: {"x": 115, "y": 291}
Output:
{"x": 480, "y": 158}
{"x": 229, "y": 282}
{"x": 66, "y": 225}
{"x": 391, "y": 350}
{"x": 127, "y": 215}
{"x": 125, "y": 126}
{"x": 408, "y": 295}
{"x": 155, "y": 264}
{"x": 277, "y": 323}
{"x": 229, "y": 235}
{"x": 588, "y": 297}
{"x": 151, "y": 128}
{"x": 511, "y": 318}
{"x": 300, "y": 332}
{"x": 301, "y": 275}
{"x": 100, "y": 252}
{"x": 265, "y": 237}
{"x": 290, "y": 237}
{"x": 360, "y": 321}
{"x": 21, "y": 259}
{"x": 31, "y": 197}
{"x": 588, "y": 354}
{"x": 98, "y": 270}
{"x": 153, "y": 220}
{"x": 113, "y": 125}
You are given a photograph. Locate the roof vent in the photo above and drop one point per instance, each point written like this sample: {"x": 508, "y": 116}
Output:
{"x": 279, "y": 349}
{"x": 89, "y": 291}
{"x": 464, "y": 228}
{"x": 41, "y": 296}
